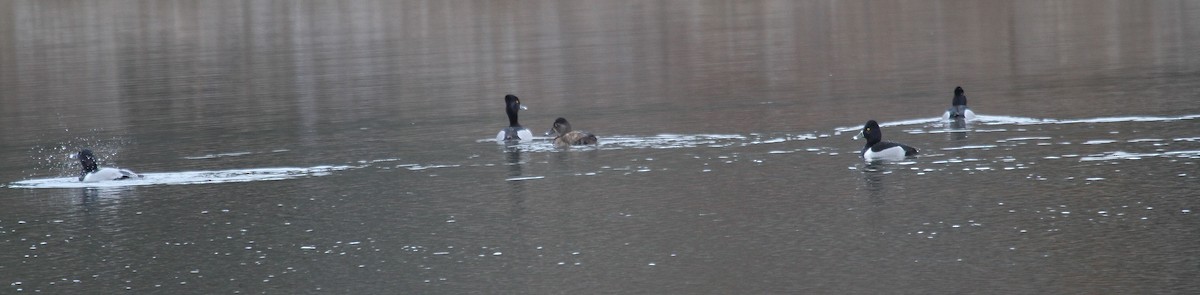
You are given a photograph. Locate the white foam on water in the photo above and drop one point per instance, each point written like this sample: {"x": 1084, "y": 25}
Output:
{"x": 773, "y": 140}
{"x": 1099, "y": 141}
{"x": 1029, "y": 138}
{"x": 1128, "y": 119}
{"x": 807, "y": 136}
{"x": 525, "y": 178}
{"x": 779, "y": 138}
{"x": 661, "y": 141}
{"x": 942, "y": 131}
{"x": 420, "y": 167}
{"x": 968, "y": 147}
{"x": 534, "y": 139}
{"x": 187, "y": 177}
{"x": 668, "y": 141}
{"x": 220, "y": 155}
{"x": 995, "y": 120}
{"x": 990, "y": 130}
{"x": 1120, "y": 155}
{"x": 921, "y": 121}
{"x": 1013, "y": 120}
{"x": 1009, "y": 120}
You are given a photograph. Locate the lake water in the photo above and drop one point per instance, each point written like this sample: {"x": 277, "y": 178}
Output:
{"x": 348, "y": 147}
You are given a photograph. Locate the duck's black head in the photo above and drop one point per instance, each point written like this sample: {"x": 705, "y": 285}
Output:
{"x": 560, "y": 127}
{"x": 959, "y": 98}
{"x": 512, "y": 104}
{"x": 88, "y": 161}
{"x": 871, "y": 132}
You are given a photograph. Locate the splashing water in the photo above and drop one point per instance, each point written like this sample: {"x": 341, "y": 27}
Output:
{"x": 59, "y": 159}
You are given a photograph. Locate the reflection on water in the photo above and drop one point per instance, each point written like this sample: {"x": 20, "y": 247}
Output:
{"x": 512, "y": 156}
{"x": 956, "y": 130}
{"x": 724, "y": 164}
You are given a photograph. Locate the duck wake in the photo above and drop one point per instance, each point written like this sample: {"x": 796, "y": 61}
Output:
{"x": 188, "y": 177}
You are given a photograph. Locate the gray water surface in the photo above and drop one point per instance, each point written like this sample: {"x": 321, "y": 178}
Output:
{"x": 348, "y": 147}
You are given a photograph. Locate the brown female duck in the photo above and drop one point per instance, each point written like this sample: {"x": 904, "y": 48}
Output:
{"x": 564, "y": 136}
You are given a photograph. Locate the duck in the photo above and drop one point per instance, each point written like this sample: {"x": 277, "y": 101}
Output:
{"x": 93, "y": 173}
{"x": 876, "y": 149}
{"x": 958, "y": 107}
{"x": 514, "y": 131}
{"x": 564, "y": 136}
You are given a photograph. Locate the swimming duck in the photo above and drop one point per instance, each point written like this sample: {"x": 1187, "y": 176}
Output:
{"x": 958, "y": 107}
{"x": 514, "y": 131}
{"x": 92, "y": 173}
{"x": 564, "y": 136}
{"x": 877, "y": 149}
